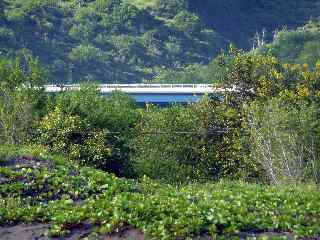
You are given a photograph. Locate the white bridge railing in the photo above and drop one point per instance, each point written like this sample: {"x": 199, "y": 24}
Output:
{"x": 145, "y": 85}
{"x": 148, "y": 88}
{"x": 137, "y": 85}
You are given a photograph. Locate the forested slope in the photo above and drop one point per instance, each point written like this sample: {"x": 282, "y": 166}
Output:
{"x": 296, "y": 46}
{"x": 133, "y": 41}
{"x": 108, "y": 41}
{"x": 240, "y": 20}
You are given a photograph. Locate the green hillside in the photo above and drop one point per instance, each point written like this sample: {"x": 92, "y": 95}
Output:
{"x": 107, "y": 41}
{"x": 133, "y": 41}
{"x": 296, "y": 46}
{"x": 239, "y": 20}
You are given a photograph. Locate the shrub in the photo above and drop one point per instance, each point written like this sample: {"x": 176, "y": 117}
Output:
{"x": 68, "y": 134}
{"x": 285, "y": 140}
{"x": 22, "y": 99}
{"x": 92, "y": 128}
{"x": 182, "y": 144}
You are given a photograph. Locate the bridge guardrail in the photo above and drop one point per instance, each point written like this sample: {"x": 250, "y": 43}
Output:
{"x": 147, "y": 87}
{"x": 140, "y": 85}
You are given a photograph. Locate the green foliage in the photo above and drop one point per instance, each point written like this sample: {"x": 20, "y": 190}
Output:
{"x": 91, "y": 128}
{"x": 187, "y": 22}
{"x": 296, "y": 46}
{"x": 9, "y": 152}
{"x": 105, "y": 41}
{"x": 285, "y": 140}
{"x": 129, "y": 41}
{"x": 189, "y": 74}
{"x": 222, "y": 210}
{"x": 273, "y": 132}
{"x": 253, "y": 76}
{"x": 22, "y": 99}
{"x": 183, "y": 144}
{"x": 170, "y": 8}
{"x": 143, "y": 3}
{"x": 240, "y": 20}
{"x": 267, "y": 127}
{"x": 85, "y": 54}
{"x": 215, "y": 72}
{"x": 68, "y": 134}
{"x": 257, "y": 76}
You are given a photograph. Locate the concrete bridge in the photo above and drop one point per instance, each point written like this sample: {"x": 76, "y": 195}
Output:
{"x": 154, "y": 93}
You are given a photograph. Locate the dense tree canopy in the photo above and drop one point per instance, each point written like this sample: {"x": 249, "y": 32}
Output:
{"x": 296, "y": 46}
{"x": 135, "y": 41}
{"x": 240, "y": 20}
{"x": 106, "y": 41}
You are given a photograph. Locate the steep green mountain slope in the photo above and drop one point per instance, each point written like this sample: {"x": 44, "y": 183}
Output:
{"x": 239, "y": 20}
{"x": 133, "y": 41}
{"x": 106, "y": 40}
{"x": 297, "y": 46}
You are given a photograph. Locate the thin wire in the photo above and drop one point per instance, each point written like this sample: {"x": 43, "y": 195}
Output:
{"x": 169, "y": 133}
{"x": 153, "y": 133}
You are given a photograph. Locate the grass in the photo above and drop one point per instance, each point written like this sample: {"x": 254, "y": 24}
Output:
{"x": 66, "y": 196}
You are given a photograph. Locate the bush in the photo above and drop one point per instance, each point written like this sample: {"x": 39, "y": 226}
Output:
{"x": 170, "y": 8}
{"x": 183, "y": 144}
{"x": 74, "y": 137}
{"x": 92, "y": 128}
{"x": 22, "y": 99}
{"x": 285, "y": 140}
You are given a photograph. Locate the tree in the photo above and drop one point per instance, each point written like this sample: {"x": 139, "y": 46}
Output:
{"x": 253, "y": 76}
{"x": 187, "y": 22}
{"x": 68, "y": 134}
{"x": 92, "y": 128}
{"x": 2, "y": 7}
{"x": 184, "y": 144}
{"x": 106, "y": 40}
{"x": 21, "y": 99}
{"x": 256, "y": 79}
{"x": 310, "y": 53}
{"x": 297, "y": 46}
{"x": 170, "y": 8}
{"x": 285, "y": 140}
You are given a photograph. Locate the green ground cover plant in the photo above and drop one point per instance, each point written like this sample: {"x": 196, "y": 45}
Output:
{"x": 68, "y": 196}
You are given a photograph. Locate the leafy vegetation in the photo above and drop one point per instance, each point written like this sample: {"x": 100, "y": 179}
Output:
{"x": 214, "y": 139}
{"x": 51, "y": 194}
{"x": 62, "y": 155}
{"x": 183, "y": 144}
{"x": 284, "y": 140}
{"x": 134, "y": 41}
{"x": 125, "y": 43}
{"x": 240, "y": 20}
{"x": 91, "y": 129}
{"x": 21, "y": 95}
{"x": 296, "y": 46}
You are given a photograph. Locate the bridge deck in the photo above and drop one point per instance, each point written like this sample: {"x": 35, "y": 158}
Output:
{"x": 148, "y": 88}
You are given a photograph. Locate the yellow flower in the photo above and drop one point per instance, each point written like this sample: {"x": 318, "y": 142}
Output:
{"x": 286, "y": 66}
{"x": 303, "y": 91}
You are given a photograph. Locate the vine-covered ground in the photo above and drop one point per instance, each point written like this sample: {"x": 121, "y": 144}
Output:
{"x": 42, "y": 197}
